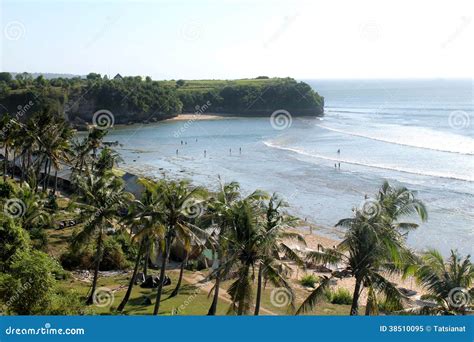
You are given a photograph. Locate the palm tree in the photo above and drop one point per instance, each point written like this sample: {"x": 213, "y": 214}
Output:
{"x": 374, "y": 244}
{"x": 272, "y": 243}
{"x": 449, "y": 282}
{"x": 7, "y": 136}
{"x": 144, "y": 219}
{"x": 221, "y": 214}
{"x": 100, "y": 198}
{"x": 170, "y": 210}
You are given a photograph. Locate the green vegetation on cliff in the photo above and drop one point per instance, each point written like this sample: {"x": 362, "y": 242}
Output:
{"x": 134, "y": 99}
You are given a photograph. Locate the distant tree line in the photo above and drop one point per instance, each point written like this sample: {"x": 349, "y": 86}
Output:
{"x": 137, "y": 99}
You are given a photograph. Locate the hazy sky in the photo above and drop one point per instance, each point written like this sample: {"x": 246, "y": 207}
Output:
{"x": 234, "y": 39}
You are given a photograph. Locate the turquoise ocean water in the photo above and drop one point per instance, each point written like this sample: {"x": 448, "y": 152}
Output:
{"x": 417, "y": 133}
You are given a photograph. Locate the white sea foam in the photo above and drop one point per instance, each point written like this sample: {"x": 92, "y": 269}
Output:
{"x": 378, "y": 166}
{"x": 418, "y": 137}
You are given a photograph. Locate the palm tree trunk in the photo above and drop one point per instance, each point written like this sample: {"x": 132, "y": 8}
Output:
{"x": 98, "y": 257}
{"x": 55, "y": 180}
{"x": 355, "y": 298}
{"x": 44, "y": 174}
{"x": 5, "y": 164}
{"x": 164, "y": 262}
{"x": 13, "y": 166}
{"x": 213, "y": 309}
{"x": 147, "y": 258}
{"x": 132, "y": 280}
{"x": 181, "y": 272}
{"x": 259, "y": 290}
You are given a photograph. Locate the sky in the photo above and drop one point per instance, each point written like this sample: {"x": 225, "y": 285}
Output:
{"x": 210, "y": 39}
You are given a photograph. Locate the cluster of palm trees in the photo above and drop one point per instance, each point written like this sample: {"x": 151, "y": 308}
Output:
{"x": 247, "y": 234}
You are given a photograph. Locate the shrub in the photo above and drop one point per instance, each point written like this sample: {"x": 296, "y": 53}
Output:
{"x": 83, "y": 258}
{"x": 309, "y": 280}
{"x": 6, "y": 189}
{"x": 389, "y": 306}
{"x": 12, "y": 239}
{"x": 28, "y": 288}
{"x": 340, "y": 296}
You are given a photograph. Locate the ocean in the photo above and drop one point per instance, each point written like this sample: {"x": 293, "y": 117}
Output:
{"x": 415, "y": 133}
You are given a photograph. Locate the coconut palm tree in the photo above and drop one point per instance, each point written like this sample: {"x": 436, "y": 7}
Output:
{"x": 273, "y": 246}
{"x": 449, "y": 283}
{"x": 374, "y": 245}
{"x": 7, "y": 138}
{"x": 221, "y": 214}
{"x": 99, "y": 201}
{"x": 172, "y": 208}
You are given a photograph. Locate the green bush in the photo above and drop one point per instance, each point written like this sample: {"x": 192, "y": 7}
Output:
{"x": 6, "y": 189}
{"x": 28, "y": 288}
{"x": 309, "y": 280}
{"x": 389, "y": 306}
{"x": 340, "y": 296}
{"x": 113, "y": 257}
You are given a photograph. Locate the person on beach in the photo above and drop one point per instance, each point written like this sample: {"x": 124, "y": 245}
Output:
{"x": 230, "y": 151}
{"x": 204, "y": 153}
{"x": 181, "y": 142}
{"x": 176, "y": 151}
{"x": 339, "y": 165}
{"x": 335, "y": 166}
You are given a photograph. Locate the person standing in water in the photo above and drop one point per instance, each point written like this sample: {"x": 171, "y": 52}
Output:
{"x": 339, "y": 151}
{"x": 176, "y": 151}
{"x": 339, "y": 165}
{"x": 240, "y": 150}
{"x": 204, "y": 153}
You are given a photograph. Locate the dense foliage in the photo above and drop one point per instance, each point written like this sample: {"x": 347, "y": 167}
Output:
{"x": 133, "y": 99}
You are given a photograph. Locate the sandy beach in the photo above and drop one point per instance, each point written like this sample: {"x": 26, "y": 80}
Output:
{"x": 198, "y": 117}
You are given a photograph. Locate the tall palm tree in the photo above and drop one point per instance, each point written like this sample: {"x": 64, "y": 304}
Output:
{"x": 273, "y": 237}
{"x": 374, "y": 244}
{"x": 449, "y": 282}
{"x": 221, "y": 214}
{"x": 100, "y": 198}
{"x": 7, "y": 138}
{"x": 170, "y": 208}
